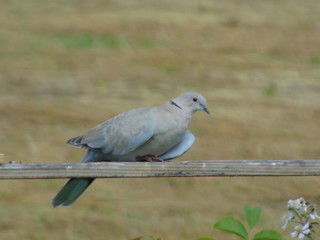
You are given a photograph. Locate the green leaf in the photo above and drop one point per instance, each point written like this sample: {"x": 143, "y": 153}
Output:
{"x": 252, "y": 215}
{"x": 232, "y": 225}
{"x": 268, "y": 235}
{"x": 206, "y": 238}
{"x": 146, "y": 238}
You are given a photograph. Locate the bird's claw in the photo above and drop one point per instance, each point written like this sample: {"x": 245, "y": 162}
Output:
{"x": 149, "y": 158}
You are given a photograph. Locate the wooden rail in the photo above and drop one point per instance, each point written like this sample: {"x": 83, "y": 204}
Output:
{"x": 211, "y": 168}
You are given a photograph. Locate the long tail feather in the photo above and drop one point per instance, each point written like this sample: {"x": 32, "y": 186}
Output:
{"x": 71, "y": 191}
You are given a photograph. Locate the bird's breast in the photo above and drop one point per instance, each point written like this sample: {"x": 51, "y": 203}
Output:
{"x": 169, "y": 132}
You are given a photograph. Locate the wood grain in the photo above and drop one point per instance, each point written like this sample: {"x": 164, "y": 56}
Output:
{"x": 210, "y": 168}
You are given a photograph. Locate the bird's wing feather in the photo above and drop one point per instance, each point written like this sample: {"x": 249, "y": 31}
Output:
{"x": 181, "y": 148}
{"x": 122, "y": 133}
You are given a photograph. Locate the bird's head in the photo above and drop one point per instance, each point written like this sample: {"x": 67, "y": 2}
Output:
{"x": 191, "y": 101}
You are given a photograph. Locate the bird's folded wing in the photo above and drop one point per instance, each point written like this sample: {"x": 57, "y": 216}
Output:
{"x": 122, "y": 133}
{"x": 181, "y": 148}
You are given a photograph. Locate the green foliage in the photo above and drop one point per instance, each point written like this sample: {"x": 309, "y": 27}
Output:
{"x": 169, "y": 69}
{"x": 268, "y": 235}
{"x": 271, "y": 90}
{"x": 146, "y": 238}
{"x": 149, "y": 43}
{"x": 87, "y": 41}
{"x": 252, "y": 215}
{"x": 315, "y": 60}
{"x": 206, "y": 238}
{"x": 232, "y": 225}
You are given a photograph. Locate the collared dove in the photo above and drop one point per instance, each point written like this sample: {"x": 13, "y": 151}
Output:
{"x": 143, "y": 134}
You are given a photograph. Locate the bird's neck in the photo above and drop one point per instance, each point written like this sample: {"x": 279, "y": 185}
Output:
{"x": 180, "y": 111}
{"x": 173, "y": 103}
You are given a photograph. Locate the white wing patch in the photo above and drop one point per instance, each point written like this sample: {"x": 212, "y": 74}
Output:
{"x": 181, "y": 148}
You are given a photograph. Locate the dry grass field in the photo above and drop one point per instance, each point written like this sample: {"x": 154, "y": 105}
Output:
{"x": 66, "y": 66}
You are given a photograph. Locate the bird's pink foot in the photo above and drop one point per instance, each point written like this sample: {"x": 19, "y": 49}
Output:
{"x": 149, "y": 158}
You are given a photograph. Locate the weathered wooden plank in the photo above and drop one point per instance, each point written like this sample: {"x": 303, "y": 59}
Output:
{"x": 211, "y": 168}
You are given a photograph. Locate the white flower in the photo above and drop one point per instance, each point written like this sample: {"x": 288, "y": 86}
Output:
{"x": 288, "y": 219}
{"x": 300, "y": 206}
{"x": 313, "y": 214}
{"x": 302, "y": 213}
{"x": 295, "y": 204}
{"x": 301, "y": 232}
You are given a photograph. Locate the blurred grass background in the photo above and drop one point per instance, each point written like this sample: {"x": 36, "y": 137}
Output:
{"x": 66, "y": 66}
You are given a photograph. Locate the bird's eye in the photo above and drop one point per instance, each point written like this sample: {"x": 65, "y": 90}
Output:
{"x": 195, "y": 99}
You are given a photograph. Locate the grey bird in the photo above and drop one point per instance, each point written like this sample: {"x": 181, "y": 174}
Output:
{"x": 143, "y": 134}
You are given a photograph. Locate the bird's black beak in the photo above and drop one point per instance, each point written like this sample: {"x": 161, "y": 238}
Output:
{"x": 204, "y": 108}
